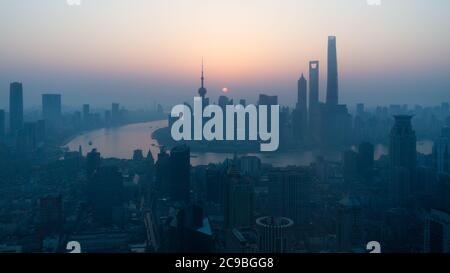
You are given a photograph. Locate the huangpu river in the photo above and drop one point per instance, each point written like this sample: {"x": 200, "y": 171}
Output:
{"x": 120, "y": 142}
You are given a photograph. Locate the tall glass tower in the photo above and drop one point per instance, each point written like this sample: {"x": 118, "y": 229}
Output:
{"x": 332, "y": 77}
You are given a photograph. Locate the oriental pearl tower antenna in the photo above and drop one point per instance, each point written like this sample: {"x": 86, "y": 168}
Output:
{"x": 202, "y": 90}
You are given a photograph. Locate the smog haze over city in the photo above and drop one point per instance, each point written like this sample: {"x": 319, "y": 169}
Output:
{"x": 137, "y": 51}
{"x": 224, "y": 127}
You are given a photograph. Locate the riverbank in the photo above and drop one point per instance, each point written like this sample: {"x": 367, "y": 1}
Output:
{"x": 69, "y": 139}
{"x": 122, "y": 141}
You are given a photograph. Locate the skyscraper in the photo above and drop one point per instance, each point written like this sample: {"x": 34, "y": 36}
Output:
{"x": 402, "y": 156}
{"x": 51, "y": 109}
{"x": 437, "y": 232}
{"x": 349, "y": 224}
{"x": 105, "y": 194}
{"x": 15, "y": 107}
{"x": 187, "y": 229}
{"x": 442, "y": 151}
{"x": 115, "y": 113}
{"x": 289, "y": 191}
{"x": 332, "y": 70}
{"x": 365, "y": 159}
{"x": 273, "y": 234}
{"x": 301, "y": 94}
{"x": 180, "y": 173}
{"x": 2, "y": 124}
{"x": 300, "y": 112}
{"x": 268, "y": 100}
{"x": 51, "y": 215}
{"x": 402, "y": 146}
{"x": 239, "y": 196}
{"x": 313, "y": 85}
{"x": 360, "y": 109}
{"x": 162, "y": 172}
{"x": 93, "y": 160}
{"x": 314, "y": 105}
{"x": 86, "y": 115}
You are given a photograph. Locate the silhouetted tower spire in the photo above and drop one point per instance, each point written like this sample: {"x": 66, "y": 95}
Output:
{"x": 202, "y": 89}
{"x": 301, "y": 94}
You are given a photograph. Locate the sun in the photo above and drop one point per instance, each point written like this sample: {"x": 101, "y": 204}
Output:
{"x": 225, "y": 90}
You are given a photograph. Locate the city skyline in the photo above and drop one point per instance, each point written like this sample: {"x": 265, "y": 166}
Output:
{"x": 263, "y": 49}
{"x": 215, "y": 128}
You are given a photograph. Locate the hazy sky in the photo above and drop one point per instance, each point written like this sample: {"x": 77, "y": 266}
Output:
{"x": 139, "y": 51}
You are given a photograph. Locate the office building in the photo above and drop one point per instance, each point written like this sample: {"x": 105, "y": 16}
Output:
{"x": 442, "y": 151}
{"x": 332, "y": 73}
{"x": 180, "y": 169}
{"x": 437, "y": 232}
{"x": 51, "y": 109}
{"x": 289, "y": 191}
{"x": 51, "y": 215}
{"x": 402, "y": 157}
{"x": 274, "y": 234}
{"x": 105, "y": 194}
{"x": 115, "y": 114}
{"x": 2, "y": 124}
{"x": 239, "y": 196}
{"x": 15, "y": 107}
{"x": 349, "y": 231}
{"x": 300, "y": 114}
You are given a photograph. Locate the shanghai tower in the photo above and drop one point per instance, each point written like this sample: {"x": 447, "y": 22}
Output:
{"x": 332, "y": 78}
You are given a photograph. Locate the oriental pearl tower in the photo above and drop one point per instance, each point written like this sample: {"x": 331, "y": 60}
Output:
{"x": 202, "y": 90}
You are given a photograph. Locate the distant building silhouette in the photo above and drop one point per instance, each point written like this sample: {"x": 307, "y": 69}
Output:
{"x": 162, "y": 174}
{"x": 300, "y": 114}
{"x": 138, "y": 155}
{"x": 51, "y": 110}
{"x": 15, "y": 107}
{"x": 442, "y": 151}
{"x": 267, "y": 100}
{"x": 250, "y": 166}
{"x": 29, "y": 136}
{"x": 365, "y": 159}
{"x": 86, "y": 115}
{"x": 93, "y": 161}
{"x": 115, "y": 114}
{"x": 402, "y": 156}
{"x": 2, "y": 124}
{"x": 360, "y": 109}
